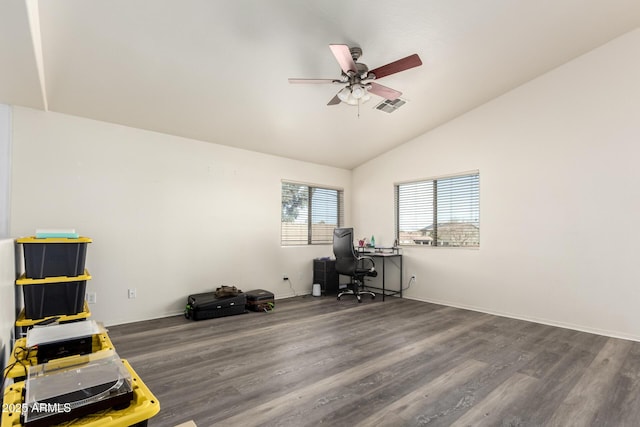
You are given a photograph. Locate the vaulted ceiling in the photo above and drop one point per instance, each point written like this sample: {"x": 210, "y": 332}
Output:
{"x": 217, "y": 70}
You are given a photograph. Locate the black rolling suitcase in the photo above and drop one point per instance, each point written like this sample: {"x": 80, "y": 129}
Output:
{"x": 209, "y": 306}
{"x": 260, "y": 300}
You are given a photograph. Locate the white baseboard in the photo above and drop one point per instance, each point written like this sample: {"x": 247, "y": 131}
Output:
{"x": 581, "y": 328}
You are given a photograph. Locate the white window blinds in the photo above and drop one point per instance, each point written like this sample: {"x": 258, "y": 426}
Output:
{"x": 309, "y": 214}
{"x": 439, "y": 212}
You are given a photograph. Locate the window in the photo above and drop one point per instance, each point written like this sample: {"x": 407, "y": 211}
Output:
{"x": 439, "y": 212}
{"x": 309, "y": 214}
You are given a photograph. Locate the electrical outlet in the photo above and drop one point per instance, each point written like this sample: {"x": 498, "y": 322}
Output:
{"x": 414, "y": 277}
{"x": 91, "y": 297}
{"x": 285, "y": 277}
{"x": 132, "y": 293}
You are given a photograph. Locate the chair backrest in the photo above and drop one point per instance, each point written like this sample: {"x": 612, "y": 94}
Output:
{"x": 346, "y": 259}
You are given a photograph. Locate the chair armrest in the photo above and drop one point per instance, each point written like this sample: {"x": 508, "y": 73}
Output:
{"x": 362, "y": 259}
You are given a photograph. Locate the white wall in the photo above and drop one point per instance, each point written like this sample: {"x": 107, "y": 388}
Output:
{"x": 5, "y": 168}
{"x": 7, "y": 298}
{"x": 560, "y": 197}
{"x": 7, "y": 247}
{"x": 168, "y": 216}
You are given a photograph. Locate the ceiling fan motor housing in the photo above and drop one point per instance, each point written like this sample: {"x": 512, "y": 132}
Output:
{"x": 356, "y": 53}
{"x": 361, "y": 71}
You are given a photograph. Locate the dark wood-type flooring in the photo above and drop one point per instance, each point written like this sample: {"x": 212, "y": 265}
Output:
{"x": 318, "y": 361}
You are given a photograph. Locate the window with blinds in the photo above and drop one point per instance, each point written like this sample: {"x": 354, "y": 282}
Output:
{"x": 309, "y": 214}
{"x": 439, "y": 212}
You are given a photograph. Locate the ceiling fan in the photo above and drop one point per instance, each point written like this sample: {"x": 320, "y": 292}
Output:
{"x": 357, "y": 77}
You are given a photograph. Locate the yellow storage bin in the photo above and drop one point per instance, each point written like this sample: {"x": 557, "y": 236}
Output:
{"x": 53, "y": 296}
{"x": 23, "y": 323}
{"x": 22, "y": 357}
{"x": 54, "y": 256}
{"x": 143, "y": 407}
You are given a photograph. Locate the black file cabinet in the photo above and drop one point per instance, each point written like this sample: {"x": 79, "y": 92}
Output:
{"x": 324, "y": 273}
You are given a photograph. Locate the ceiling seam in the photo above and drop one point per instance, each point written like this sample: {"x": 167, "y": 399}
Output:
{"x": 33, "y": 15}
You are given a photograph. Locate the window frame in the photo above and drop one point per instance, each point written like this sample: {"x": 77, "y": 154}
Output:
{"x": 308, "y": 211}
{"x": 474, "y": 205}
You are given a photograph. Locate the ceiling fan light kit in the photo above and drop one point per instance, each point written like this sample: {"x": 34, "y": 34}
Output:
{"x": 354, "y": 94}
{"x": 358, "y": 79}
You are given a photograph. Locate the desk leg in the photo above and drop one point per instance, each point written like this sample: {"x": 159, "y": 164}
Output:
{"x": 401, "y": 276}
{"x": 383, "y": 286}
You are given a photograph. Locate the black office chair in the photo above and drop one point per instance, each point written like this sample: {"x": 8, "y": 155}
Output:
{"x": 349, "y": 264}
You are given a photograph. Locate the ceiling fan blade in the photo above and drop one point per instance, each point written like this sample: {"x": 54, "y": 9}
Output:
{"x": 410, "y": 61}
{"x": 314, "y": 81}
{"x": 383, "y": 91}
{"x": 334, "y": 101}
{"x": 343, "y": 56}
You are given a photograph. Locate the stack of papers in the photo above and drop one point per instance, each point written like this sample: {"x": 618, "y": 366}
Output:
{"x": 45, "y": 233}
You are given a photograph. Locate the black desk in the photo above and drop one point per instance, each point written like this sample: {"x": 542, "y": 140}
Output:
{"x": 380, "y": 258}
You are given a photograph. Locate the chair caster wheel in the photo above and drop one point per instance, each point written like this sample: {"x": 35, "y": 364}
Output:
{"x": 338, "y": 298}
{"x": 359, "y": 301}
